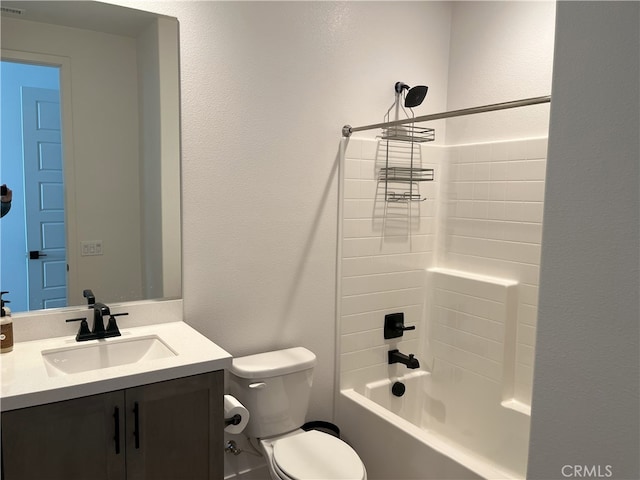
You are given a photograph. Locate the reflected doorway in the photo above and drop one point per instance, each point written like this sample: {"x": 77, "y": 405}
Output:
{"x": 33, "y": 234}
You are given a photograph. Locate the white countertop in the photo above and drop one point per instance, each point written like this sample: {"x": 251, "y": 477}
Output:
{"x": 25, "y": 381}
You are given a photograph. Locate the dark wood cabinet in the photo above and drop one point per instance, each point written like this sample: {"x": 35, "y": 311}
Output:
{"x": 167, "y": 430}
{"x": 74, "y": 439}
{"x": 181, "y": 422}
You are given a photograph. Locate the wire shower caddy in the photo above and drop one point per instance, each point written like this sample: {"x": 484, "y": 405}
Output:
{"x": 406, "y": 134}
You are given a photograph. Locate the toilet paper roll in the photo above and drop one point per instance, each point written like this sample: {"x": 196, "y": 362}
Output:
{"x": 233, "y": 407}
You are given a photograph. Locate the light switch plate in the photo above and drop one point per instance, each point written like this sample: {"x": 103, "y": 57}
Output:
{"x": 91, "y": 247}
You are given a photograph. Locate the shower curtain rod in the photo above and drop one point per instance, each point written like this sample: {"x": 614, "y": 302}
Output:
{"x": 347, "y": 130}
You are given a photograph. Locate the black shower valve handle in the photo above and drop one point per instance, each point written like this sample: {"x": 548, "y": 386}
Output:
{"x": 399, "y": 327}
{"x": 394, "y": 325}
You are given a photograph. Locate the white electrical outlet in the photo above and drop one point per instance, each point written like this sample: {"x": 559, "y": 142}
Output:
{"x": 91, "y": 247}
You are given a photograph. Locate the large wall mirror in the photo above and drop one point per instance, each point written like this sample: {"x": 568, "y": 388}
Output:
{"x": 91, "y": 154}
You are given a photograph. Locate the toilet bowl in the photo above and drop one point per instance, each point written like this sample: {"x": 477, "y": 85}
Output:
{"x": 311, "y": 455}
{"x": 275, "y": 387}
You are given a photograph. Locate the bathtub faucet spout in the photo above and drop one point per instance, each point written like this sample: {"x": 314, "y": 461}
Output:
{"x": 409, "y": 360}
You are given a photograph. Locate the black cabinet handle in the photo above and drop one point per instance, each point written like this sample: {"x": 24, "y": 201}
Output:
{"x": 136, "y": 424}
{"x": 116, "y": 437}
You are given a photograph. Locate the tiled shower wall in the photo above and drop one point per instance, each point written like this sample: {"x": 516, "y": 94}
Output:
{"x": 482, "y": 214}
{"x": 385, "y": 250}
{"x": 491, "y": 224}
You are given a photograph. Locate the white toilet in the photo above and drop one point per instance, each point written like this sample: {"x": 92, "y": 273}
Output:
{"x": 275, "y": 388}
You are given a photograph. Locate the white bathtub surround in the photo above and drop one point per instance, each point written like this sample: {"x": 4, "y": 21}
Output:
{"x": 491, "y": 224}
{"x": 400, "y": 451}
{"x": 468, "y": 397}
{"x": 463, "y": 267}
{"x": 474, "y": 328}
{"x": 488, "y": 200}
{"x": 471, "y": 313}
{"x": 415, "y": 425}
{"x": 386, "y": 248}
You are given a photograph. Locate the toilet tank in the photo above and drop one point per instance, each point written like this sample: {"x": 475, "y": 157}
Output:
{"x": 275, "y": 387}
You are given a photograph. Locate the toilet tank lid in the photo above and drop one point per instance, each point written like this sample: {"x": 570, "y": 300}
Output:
{"x": 271, "y": 364}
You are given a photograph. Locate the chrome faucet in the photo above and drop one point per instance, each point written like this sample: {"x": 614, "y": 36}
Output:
{"x": 409, "y": 360}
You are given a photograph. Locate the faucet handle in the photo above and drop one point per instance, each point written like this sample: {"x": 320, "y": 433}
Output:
{"x": 112, "y": 327}
{"x": 83, "y": 332}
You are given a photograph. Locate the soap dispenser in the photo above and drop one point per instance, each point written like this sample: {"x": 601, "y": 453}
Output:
{"x": 6, "y": 324}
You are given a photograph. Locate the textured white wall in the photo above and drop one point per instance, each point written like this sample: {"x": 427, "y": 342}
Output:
{"x": 500, "y": 51}
{"x": 586, "y": 399}
{"x": 266, "y": 88}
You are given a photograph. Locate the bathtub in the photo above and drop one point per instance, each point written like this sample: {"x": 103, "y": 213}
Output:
{"x": 414, "y": 437}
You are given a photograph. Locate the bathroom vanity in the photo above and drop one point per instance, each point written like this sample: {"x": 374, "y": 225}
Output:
{"x": 157, "y": 416}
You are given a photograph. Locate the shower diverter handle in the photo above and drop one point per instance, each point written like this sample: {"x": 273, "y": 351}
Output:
{"x": 394, "y": 325}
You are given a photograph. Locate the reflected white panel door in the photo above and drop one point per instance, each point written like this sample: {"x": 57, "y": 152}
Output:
{"x": 44, "y": 198}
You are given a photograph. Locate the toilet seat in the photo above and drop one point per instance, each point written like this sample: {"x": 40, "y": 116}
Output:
{"x": 315, "y": 455}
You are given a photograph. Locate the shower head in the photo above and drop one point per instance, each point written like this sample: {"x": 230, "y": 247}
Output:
{"x": 414, "y": 96}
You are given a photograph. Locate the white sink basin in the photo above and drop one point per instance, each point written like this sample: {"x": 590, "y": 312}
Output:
{"x": 104, "y": 354}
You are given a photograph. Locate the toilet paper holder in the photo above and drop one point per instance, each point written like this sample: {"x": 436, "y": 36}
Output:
{"x": 236, "y": 416}
{"x": 235, "y": 420}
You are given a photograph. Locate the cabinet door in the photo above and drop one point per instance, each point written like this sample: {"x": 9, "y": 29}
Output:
{"x": 77, "y": 439}
{"x": 175, "y": 429}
